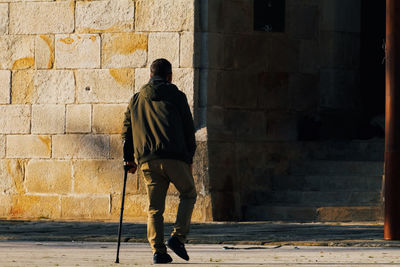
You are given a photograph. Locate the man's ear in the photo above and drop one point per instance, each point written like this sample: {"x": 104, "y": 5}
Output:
{"x": 169, "y": 77}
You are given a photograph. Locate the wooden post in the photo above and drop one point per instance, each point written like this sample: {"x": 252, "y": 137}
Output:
{"x": 392, "y": 136}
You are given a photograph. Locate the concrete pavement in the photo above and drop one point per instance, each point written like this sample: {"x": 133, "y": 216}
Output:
{"x": 51, "y": 243}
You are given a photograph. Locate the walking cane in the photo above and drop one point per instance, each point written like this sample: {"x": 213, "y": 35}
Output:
{"x": 126, "y": 168}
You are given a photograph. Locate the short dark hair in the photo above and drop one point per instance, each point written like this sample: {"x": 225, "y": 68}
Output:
{"x": 161, "y": 67}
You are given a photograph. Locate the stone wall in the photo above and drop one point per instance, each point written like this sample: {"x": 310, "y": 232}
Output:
{"x": 67, "y": 71}
{"x": 263, "y": 86}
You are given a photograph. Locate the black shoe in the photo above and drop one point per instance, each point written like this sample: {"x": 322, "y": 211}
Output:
{"x": 178, "y": 247}
{"x": 161, "y": 258}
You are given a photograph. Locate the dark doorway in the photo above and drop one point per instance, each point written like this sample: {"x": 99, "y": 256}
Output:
{"x": 372, "y": 70}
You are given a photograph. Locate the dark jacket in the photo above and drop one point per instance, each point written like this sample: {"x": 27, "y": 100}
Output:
{"x": 158, "y": 124}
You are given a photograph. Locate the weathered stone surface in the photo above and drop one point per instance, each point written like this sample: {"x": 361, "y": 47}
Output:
{"x": 303, "y": 21}
{"x": 22, "y": 86}
{"x": 116, "y": 146}
{"x": 77, "y": 51}
{"x": 15, "y": 119}
{"x": 5, "y": 205}
{"x": 44, "y": 51}
{"x": 284, "y": 53}
{"x": 142, "y": 76}
{"x": 28, "y": 146}
{"x": 2, "y": 146}
{"x": 79, "y": 118}
{"x": 303, "y": 91}
{"x": 124, "y": 50}
{"x": 272, "y": 90}
{"x": 5, "y": 86}
{"x": 281, "y": 127}
{"x": 105, "y": 16}
{"x": 48, "y": 119}
{"x": 105, "y": 86}
{"x": 48, "y": 176}
{"x": 11, "y": 176}
{"x": 341, "y": 15}
{"x": 41, "y": 18}
{"x": 164, "y": 15}
{"x": 189, "y": 50}
{"x": 340, "y": 214}
{"x": 3, "y": 18}
{"x": 309, "y": 60}
{"x": 135, "y": 207}
{"x": 85, "y": 207}
{"x": 164, "y": 45}
{"x": 35, "y": 207}
{"x": 17, "y": 52}
{"x": 107, "y": 175}
{"x": 246, "y": 125}
{"x": 108, "y": 118}
{"x": 81, "y": 146}
{"x": 53, "y": 87}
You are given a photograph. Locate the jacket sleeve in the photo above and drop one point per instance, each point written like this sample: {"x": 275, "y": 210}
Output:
{"x": 188, "y": 128}
{"x": 127, "y": 139}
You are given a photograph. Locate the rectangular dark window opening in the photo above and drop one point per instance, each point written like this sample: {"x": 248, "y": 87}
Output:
{"x": 269, "y": 15}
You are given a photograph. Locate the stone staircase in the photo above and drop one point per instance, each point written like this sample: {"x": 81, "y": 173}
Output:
{"x": 329, "y": 185}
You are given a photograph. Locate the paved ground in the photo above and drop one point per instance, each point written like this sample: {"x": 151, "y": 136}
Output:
{"x": 44, "y": 254}
{"x": 48, "y": 243}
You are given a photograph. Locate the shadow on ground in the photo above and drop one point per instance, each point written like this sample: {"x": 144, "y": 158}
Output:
{"x": 252, "y": 233}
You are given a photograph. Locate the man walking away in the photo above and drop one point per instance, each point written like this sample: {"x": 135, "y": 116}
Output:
{"x": 159, "y": 133}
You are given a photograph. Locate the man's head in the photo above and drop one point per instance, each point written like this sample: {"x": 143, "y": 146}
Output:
{"x": 162, "y": 68}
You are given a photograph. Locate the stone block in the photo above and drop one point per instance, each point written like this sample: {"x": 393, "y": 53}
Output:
{"x": 108, "y": 118}
{"x": 189, "y": 50}
{"x": 3, "y": 18}
{"x": 5, "y": 206}
{"x": 303, "y": 91}
{"x": 226, "y": 206}
{"x": 164, "y": 15}
{"x": 124, "y": 50}
{"x": 272, "y": 90}
{"x": 283, "y": 53}
{"x": 49, "y": 176}
{"x": 15, "y": 119}
{"x": 339, "y": 50}
{"x": 18, "y": 52}
{"x": 28, "y": 146}
{"x": 48, "y": 119}
{"x": 77, "y": 51}
{"x": 35, "y": 207}
{"x": 341, "y": 15}
{"x": 81, "y": 146}
{"x": 246, "y": 125}
{"x": 214, "y": 57}
{"x": 309, "y": 58}
{"x": 341, "y": 214}
{"x": 5, "y": 86}
{"x": 105, "y": 86}
{"x": 100, "y": 177}
{"x": 2, "y": 146}
{"x": 135, "y": 208}
{"x": 303, "y": 21}
{"x": 281, "y": 126}
{"x": 85, "y": 207}
{"x": 105, "y": 16}
{"x": 116, "y": 146}
{"x": 164, "y": 45}
{"x": 79, "y": 118}
{"x": 53, "y": 87}
{"x": 44, "y": 51}
{"x": 336, "y": 89}
{"x": 41, "y": 17}
{"x": 22, "y": 86}
{"x": 11, "y": 176}
{"x": 142, "y": 76}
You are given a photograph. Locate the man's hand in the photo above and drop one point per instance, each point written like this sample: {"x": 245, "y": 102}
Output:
{"x": 130, "y": 166}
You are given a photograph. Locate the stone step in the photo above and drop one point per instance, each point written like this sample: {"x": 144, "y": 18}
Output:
{"x": 327, "y": 183}
{"x": 312, "y": 214}
{"x": 320, "y": 198}
{"x": 335, "y": 168}
{"x": 365, "y": 150}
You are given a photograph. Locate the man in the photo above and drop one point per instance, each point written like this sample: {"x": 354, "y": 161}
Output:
{"x": 159, "y": 133}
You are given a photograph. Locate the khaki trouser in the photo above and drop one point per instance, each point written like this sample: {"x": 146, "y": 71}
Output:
{"x": 158, "y": 174}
